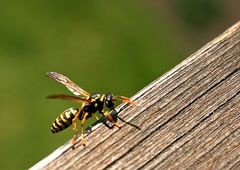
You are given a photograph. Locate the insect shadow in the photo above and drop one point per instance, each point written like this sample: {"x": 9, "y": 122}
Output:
{"x": 115, "y": 116}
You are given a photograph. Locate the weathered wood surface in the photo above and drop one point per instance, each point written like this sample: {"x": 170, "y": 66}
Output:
{"x": 189, "y": 118}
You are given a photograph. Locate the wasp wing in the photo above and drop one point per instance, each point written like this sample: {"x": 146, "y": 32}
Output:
{"x": 67, "y": 97}
{"x": 75, "y": 89}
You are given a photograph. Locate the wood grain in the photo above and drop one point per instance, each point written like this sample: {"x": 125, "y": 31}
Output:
{"x": 188, "y": 118}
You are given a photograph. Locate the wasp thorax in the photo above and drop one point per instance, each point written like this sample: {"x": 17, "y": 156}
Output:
{"x": 95, "y": 96}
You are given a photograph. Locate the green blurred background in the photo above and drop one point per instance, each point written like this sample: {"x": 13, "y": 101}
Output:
{"x": 117, "y": 46}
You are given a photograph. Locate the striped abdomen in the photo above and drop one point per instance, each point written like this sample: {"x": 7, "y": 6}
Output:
{"x": 64, "y": 120}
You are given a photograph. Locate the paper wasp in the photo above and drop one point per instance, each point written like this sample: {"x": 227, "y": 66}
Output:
{"x": 91, "y": 103}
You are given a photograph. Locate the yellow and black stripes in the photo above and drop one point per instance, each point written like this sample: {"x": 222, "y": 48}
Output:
{"x": 64, "y": 120}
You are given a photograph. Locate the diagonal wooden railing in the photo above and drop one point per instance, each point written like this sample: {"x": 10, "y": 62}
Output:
{"x": 188, "y": 118}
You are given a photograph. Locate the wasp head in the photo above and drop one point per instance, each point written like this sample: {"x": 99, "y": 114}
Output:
{"x": 109, "y": 101}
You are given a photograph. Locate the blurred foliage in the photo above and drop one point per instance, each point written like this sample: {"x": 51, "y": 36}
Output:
{"x": 199, "y": 13}
{"x": 117, "y": 46}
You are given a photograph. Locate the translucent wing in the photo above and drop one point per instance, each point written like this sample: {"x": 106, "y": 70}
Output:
{"x": 68, "y": 83}
{"x": 67, "y": 97}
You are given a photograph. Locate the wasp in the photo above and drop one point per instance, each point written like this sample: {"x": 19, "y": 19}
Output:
{"x": 90, "y": 104}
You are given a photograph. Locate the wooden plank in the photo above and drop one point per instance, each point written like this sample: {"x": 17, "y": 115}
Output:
{"x": 188, "y": 118}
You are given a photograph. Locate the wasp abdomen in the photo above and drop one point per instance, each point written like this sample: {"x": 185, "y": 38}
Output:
{"x": 64, "y": 120}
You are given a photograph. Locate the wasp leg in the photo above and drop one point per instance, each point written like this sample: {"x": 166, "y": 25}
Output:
{"x": 96, "y": 117}
{"x": 110, "y": 118}
{"x": 74, "y": 122}
{"x": 82, "y": 127}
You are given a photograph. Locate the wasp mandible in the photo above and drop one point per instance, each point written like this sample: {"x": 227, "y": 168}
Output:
{"x": 91, "y": 103}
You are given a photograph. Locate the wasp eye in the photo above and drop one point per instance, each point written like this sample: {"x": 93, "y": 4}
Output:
{"x": 109, "y": 96}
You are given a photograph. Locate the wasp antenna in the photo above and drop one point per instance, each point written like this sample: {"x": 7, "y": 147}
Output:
{"x": 126, "y": 99}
